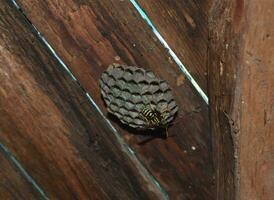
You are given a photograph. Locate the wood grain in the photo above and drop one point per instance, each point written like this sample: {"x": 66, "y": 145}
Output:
{"x": 12, "y": 184}
{"x": 241, "y": 93}
{"x": 61, "y": 140}
{"x": 90, "y": 35}
{"x": 184, "y": 25}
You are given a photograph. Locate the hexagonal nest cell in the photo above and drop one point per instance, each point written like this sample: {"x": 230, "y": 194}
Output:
{"x": 126, "y": 90}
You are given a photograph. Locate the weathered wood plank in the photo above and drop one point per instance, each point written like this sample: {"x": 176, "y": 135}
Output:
{"x": 184, "y": 25}
{"x": 90, "y": 35}
{"x": 64, "y": 145}
{"x": 12, "y": 184}
{"x": 241, "y": 83}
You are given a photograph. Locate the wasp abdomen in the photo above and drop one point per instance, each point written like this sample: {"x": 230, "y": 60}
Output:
{"x": 152, "y": 116}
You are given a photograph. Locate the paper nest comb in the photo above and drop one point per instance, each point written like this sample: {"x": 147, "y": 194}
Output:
{"x": 126, "y": 90}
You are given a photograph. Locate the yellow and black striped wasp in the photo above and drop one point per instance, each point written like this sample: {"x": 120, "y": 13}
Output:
{"x": 155, "y": 118}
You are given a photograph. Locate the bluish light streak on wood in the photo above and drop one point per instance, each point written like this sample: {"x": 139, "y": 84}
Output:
{"x": 170, "y": 51}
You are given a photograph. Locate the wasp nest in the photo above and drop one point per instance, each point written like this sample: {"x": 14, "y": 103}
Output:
{"x": 127, "y": 90}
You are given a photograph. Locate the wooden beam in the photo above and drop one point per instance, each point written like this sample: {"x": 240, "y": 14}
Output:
{"x": 13, "y": 184}
{"x": 90, "y": 35}
{"x": 241, "y": 82}
{"x": 184, "y": 26}
{"x": 60, "y": 139}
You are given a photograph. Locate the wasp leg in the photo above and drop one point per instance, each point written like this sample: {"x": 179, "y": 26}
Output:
{"x": 166, "y": 132}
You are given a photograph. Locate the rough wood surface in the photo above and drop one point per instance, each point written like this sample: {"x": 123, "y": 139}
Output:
{"x": 12, "y": 184}
{"x": 241, "y": 83}
{"x": 90, "y": 35}
{"x": 63, "y": 143}
{"x": 184, "y": 25}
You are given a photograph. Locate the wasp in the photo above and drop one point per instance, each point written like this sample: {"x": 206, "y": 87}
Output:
{"x": 155, "y": 118}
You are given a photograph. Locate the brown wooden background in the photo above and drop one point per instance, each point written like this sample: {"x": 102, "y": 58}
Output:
{"x": 241, "y": 82}
{"x": 61, "y": 139}
{"x": 56, "y": 143}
